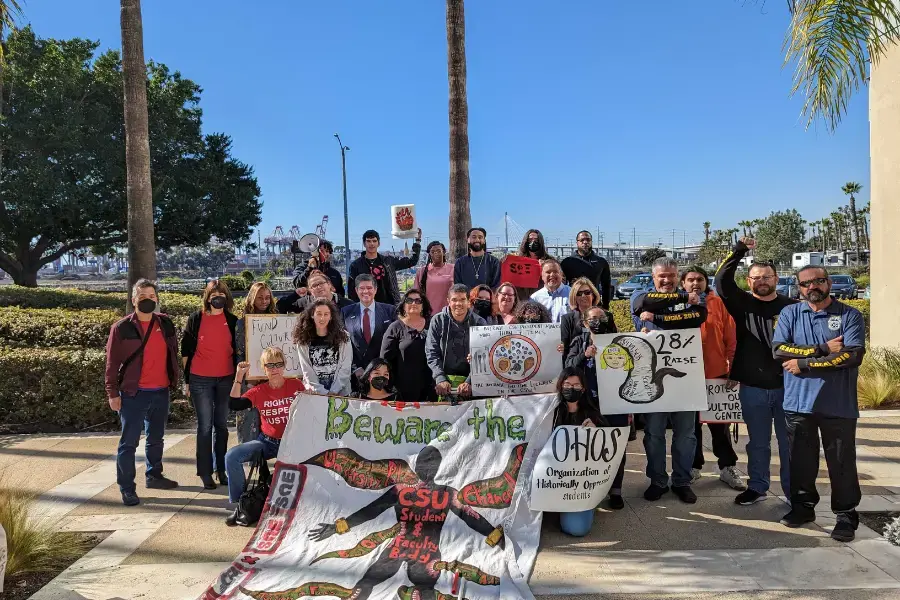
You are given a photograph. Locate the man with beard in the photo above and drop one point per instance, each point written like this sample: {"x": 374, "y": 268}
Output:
{"x": 477, "y": 267}
{"x": 762, "y": 384}
{"x": 585, "y": 263}
{"x": 821, "y": 343}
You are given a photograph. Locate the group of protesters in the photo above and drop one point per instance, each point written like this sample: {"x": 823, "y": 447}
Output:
{"x": 796, "y": 363}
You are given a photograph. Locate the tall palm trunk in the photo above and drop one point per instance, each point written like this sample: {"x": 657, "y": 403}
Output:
{"x": 141, "y": 242}
{"x": 854, "y": 221}
{"x": 460, "y": 192}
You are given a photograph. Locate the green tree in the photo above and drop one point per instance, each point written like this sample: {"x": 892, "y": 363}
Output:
{"x": 652, "y": 254}
{"x": 851, "y": 188}
{"x": 780, "y": 235}
{"x": 706, "y": 226}
{"x": 716, "y": 247}
{"x": 64, "y": 180}
{"x": 460, "y": 191}
{"x": 206, "y": 260}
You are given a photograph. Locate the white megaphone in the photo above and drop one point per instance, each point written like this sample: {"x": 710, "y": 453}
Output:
{"x": 307, "y": 244}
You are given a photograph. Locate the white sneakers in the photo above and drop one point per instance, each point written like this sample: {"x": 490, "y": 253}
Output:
{"x": 730, "y": 476}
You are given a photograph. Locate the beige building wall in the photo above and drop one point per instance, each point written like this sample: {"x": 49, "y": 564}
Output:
{"x": 884, "y": 151}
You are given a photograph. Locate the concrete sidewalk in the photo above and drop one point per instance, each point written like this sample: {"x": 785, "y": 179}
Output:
{"x": 174, "y": 543}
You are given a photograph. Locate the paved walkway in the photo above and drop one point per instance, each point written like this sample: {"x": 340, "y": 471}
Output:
{"x": 174, "y": 543}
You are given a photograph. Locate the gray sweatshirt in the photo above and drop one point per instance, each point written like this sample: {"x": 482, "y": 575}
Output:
{"x": 447, "y": 344}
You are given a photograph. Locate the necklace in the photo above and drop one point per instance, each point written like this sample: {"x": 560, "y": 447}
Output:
{"x": 478, "y": 268}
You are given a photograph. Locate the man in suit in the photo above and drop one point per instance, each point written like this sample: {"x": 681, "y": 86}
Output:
{"x": 366, "y": 321}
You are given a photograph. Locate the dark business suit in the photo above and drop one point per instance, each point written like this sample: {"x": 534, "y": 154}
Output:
{"x": 381, "y": 315}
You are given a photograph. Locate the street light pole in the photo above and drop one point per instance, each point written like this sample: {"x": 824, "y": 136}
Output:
{"x": 344, "y": 150}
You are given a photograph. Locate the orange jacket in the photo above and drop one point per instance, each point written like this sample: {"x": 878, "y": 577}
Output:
{"x": 719, "y": 338}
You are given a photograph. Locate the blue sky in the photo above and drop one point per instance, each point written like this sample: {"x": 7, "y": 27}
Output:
{"x": 582, "y": 114}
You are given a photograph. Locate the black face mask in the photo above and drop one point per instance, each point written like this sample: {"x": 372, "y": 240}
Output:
{"x": 595, "y": 325}
{"x": 572, "y": 395}
{"x": 534, "y": 246}
{"x": 218, "y": 302}
{"x": 483, "y": 307}
{"x": 476, "y": 246}
{"x": 379, "y": 383}
{"x": 147, "y": 306}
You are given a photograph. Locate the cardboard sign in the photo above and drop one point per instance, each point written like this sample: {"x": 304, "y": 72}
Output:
{"x": 403, "y": 221}
{"x": 514, "y": 359}
{"x": 521, "y": 271}
{"x": 724, "y": 400}
{"x": 659, "y": 371}
{"x": 391, "y": 500}
{"x": 263, "y": 331}
{"x": 576, "y": 468}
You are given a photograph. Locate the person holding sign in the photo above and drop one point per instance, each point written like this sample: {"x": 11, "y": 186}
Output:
{"x": 375, "y": 382}
{"x": 533, "y": 247}
{"x": 324, "y": 349}
{"x": 273, "y": 399}
{"x": 477, "y": 266}
{"x": 447, "y": 343}
{"x": 383, "y": 269}
{"x": 259, "y": 301}
{"x": 583, "y": 295}
{"x": 667, "y": 308}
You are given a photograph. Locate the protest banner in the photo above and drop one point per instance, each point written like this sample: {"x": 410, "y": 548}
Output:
{"x": 403, "y": 221}
{"x": 362, "y": 493}
{"x": 521, "y": 271}
{"x": 263, "y": 331}
{"x": 723, "y": 399}
{"x": 514, "y": 359}
{"x": 659, "y": 371}
{"x": 576, "y": 468}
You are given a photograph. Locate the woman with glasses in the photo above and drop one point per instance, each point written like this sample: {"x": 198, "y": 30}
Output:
{"x": 375, "y": 383}
{"x": 403, "y": 348}
{"x": 583, "y": 296}
{"x": 324, "y": 349}
{"x": 506, "y": 304}
{"x": 320, "y": 287}
{"x": 273, "y": 399}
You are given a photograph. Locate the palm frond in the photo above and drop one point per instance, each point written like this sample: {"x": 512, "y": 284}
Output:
{"x": 10, "y": 10}
{"x": 832, "y": 42}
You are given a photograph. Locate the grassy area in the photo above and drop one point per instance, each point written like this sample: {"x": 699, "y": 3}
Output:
{"x": 879, "y": 379}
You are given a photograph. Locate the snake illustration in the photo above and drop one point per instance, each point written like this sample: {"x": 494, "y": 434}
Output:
{"x": 637, "y": 357}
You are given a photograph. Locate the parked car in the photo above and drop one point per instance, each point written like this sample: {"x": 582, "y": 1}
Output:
{"x": 844, "y": 286}
{"x": 639, "y": 283}
{"x": 787, "y": 286}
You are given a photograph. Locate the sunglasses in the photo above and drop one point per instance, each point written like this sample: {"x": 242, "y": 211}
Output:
{"x": 817, "y": 281}
{"x": 278, "y": 365}
{"x": 413, "y": 301}
{"x": 584, "y": 293}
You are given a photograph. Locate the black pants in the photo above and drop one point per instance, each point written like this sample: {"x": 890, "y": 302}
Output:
{"x": 839, "y": 441}
{"x": 721, "y": 444}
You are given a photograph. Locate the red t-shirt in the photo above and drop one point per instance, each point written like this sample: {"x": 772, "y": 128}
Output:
{"x": 274, "y": 405}
{"x": 213, "y": 357}
{"x": 154, "y": 362}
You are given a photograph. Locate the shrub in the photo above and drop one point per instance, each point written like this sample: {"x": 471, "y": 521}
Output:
{"x": 235, "y": 283}
{"x": 171, "y": 280}
{"x": 248, "y": 276}
{"x": 24, "y": 297}
{"x": 879, "y": 378}
{"x": 892, "y": 532}
{"x": 863, "y": 281}
{"x": 863, "y": 307}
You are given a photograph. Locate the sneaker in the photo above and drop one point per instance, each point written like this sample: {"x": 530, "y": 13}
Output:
{"x": 208, "y": 483}
{"x": 232, "y": 519}
{"x": 616, "y": 502}
{"x": 223, "y": 478}
{"x": 696, "y": 474}
{"x": 797, "y": 518}
{"x": 730, "y": 476}
{"x": 845, "y": 528}
{"x": 158, "y": 482}
{"x": 655, "y": 492}
{"x": 749, "y": 497}
{"x": 685, "y": 494}
{"x": 130, "y": 499}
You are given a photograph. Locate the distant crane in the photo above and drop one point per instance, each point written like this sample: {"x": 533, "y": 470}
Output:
{"x": 320, "y": 228}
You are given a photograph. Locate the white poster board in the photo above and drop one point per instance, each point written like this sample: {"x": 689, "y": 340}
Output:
{"x": 403, "y": 221}
{"x": 263, "y": 331}
{"x": 576, "y": 468}
{"x": 514, "y": 359}
{"x": 723, "y": 398}
{"x": 659, "y": 371}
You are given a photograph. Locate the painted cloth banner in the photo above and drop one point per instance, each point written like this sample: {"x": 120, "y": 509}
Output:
{"x": 263, "y": 331}
{"x": 376, "y": 501}
{"x": 521, "y": 271}
{"x": 576, "y": 468}
{"x": 724, "y": 401}
{"x": 659, "y": 371}
{"x": 514, "y": 359}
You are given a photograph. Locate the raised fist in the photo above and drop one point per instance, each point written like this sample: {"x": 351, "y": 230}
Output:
{"x": 404, "y": 219}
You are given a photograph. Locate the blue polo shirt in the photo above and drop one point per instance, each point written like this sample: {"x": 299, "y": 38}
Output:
{"x": 830, "y": 393}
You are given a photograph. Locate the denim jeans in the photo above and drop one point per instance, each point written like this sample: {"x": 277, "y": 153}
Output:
{"x": 148, "y": 410}
{"x": 683, "y": 447}
{"x": 209, "y": 395}
{"x": 577, "y": 524}
{"x": 762, "y": 407}
{"x": 237, "y": 456}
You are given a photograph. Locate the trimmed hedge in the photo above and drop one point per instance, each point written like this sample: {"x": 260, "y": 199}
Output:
{"x": 41, "y": 297}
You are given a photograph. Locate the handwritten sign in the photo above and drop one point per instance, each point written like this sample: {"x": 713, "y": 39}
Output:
{"x": 659, "y": 371}
{"x": 576, "y": 468}
{"x": 264, "y": 331}
{"x": 521, "y": 271}
{"x": 514, "y": 359}
{"x": 724, "y": 400}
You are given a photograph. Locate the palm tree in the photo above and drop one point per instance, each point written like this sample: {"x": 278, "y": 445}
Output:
{"x": 141, "y": 242}
{"x": 460, "y": 192}
{"x": 706, "y": 226}
{"x": 838, "y": 220}
{"x": 864, "y": 213}
{"x": 826, "y": 224}
{"x": 851, "y": 188}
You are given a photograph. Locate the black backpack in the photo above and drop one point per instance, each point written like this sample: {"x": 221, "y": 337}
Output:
{"x": 256, "y": 490}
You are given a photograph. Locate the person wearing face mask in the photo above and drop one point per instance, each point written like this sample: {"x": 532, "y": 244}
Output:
{"x": 375, "y": 383}
{"x": 555, "y": 294}
{"x": 582, "y": 355}
{"x": 506, "y": 304}
{"x": 577, "y": 408}
{"x": 821, "y": 343}
{"x": 477, "y": 266}
{"x": 141, "y": 369}
{"x": 582, "y": 296}
{"x": 532, "y": 246}
{"x": 209, "y": 355}
{"x": 273, "y": 399}
{"x": 403, "y": 347}
{"x": 447, "y": 344}
{"x": 482, "y": 300}
{"x": 324, "y": 350}
{"x": 259, "y": 301}
{"x": 584, "y": 262}
{"x": 436, "y": 277}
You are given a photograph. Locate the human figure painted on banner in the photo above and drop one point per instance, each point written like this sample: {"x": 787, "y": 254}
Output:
{"x": 421, "y": 507}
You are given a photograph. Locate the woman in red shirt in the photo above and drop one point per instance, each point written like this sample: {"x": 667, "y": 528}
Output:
{"x": 209, "y": 355}
{"x": 273, "y": 400}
